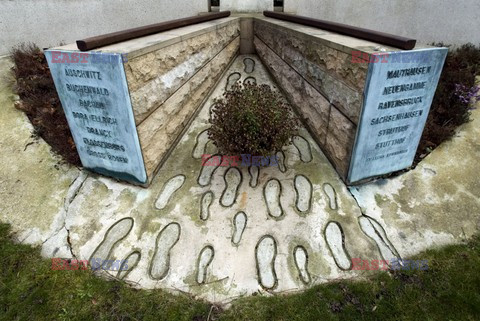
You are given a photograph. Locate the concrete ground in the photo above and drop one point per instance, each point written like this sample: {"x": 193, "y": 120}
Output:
{"x": 224, "y": 232}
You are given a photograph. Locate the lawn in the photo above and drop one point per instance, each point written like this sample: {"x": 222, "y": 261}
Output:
{"x": 448, "y": 290}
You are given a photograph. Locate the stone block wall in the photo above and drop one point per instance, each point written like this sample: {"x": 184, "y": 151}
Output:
{"x": 320, "y": 80}
{"x": 167, "y": 86}
{"x": 246, "y": 5}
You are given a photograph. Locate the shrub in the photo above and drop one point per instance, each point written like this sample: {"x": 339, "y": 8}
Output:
{"x": 251, "y": 119}
{"x": 40, "y": 102}
{"x": 450, "y": 108}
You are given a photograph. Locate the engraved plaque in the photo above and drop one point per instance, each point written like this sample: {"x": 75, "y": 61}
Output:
{"x": 94, "y": 94}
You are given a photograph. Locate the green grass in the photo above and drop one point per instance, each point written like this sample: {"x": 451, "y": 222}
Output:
{"x": 449, "y": 290}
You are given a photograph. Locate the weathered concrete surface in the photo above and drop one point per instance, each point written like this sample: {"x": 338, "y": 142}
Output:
{"x": 437, "y": 203}
{"x": 169, "y": 75}
{"x": 88, "y": 17}
{"x": 35, "y": 188}
{"x": 233, "y": 269}
{"x": 246, "y": 36}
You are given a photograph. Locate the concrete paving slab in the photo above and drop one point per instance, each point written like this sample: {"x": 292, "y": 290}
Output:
{"x": 438, "y": 203}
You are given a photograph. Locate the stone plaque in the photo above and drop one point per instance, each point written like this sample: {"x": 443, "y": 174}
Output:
{"x": 94, "y": 94}
{"x": 399, "y": 91}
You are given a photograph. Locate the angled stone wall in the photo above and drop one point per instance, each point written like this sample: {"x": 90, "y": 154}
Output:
{"x": 167, "y": 85}
{"x": 167, "y": 77}
{"x": 246, "y": 5}
{"x": 48, "y": 23}
{"x": 346, "y": 101}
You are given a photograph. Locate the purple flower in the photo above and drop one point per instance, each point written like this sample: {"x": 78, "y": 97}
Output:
{"x": 467, "y": 95}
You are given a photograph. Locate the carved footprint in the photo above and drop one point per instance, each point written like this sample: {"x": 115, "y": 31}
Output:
{"x": 173, "y": 185}
{"x": 232, "y": 79}
{"x": 331, "y": 194}
{"x": 233, "y": 179}
{"x": 129, "y": 263}
{"x": 336, "y": 243}
{"x": 303, "y": 148}
{"x": 239, "y": 225}
{"x": 376, "y": 232}
{"x": 113, "y": 236}
{"x": 250, "y": 81}
{"x": 210, "y": 148}
{"x": 272, "y": 193}
{"x": 207, "y": 200}
{"x": 204, "y": 260}
{"x": 281, "y": 161}
{"x": 254, "y": 172}
{"x": 166, "y": 240}
{"x": 301, "y": 261}
{"x": 265, "y": 253}
{"x": 303, "y": 189}
{"x": 207, "y": 170}
{"x": 200, "y": 144}
{"x": 249, "y": 65}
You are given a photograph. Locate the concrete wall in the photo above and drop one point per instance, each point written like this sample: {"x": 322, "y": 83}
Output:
{"x": 246, "y": 5}
{"x": 50, "y": 22}
{"x": 453, "y": 22}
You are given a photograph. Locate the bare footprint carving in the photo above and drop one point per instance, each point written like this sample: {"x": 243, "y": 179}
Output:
{"x": 204, "y": 260}
{"x": 250, "y": 81}
{"x": 239, "y": 225}
{"x": 265, "y": 254}
{"x": 281, "y": 161}
{"x": 336, "y": 243}
{"x": 129, "y": 263}
{"x": 200, "y": 144}
{"x": 272, "y": 193}
{"x": 375, "y": 231}
{"x": 206, "y": 173}
{"x": 173, "y": 185}
{"x": 303, "y": 189}
{"x": 233, "y": 179}
{"x": 249, "y": 65}
{"x": 331, "y": 194}
{"x": 166, "y": 240}
{"x": 303, "y": 148}
{"x": 232, "y": 79}
{"x": 207, "y": 200}
{"x": 254, "y": 172}
{"x": 113, "y": 236}
{"x": 301, "y": 261}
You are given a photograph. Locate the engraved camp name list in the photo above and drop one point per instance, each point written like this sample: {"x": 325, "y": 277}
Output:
{"x": 397, "y": 101}
{"x": 94, "y": 95}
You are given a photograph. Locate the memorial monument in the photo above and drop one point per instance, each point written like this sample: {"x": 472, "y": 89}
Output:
{"x": 129, "y": 102}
